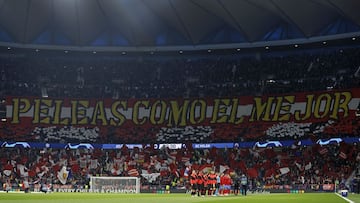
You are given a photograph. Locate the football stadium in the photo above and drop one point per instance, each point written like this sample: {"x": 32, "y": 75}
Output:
{"x": 180, "y": 101}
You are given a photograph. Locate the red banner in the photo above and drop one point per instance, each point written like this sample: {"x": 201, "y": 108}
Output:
{"x": 280, "y": 116}
{"x": 328, "y": 187}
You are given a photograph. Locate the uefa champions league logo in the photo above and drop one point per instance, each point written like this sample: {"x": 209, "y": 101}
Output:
{"x": 268, "y": 144}
{"x": 16, "y": 144}
{"x": 329, "y": 141}
{"x": 79, "y": 146}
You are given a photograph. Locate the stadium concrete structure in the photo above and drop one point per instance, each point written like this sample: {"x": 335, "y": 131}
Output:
{"x": 142, "y": 25}
{"x": 155, "y": 88}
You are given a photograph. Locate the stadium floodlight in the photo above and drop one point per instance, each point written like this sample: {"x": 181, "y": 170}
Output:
{"x": 110, "y": 184}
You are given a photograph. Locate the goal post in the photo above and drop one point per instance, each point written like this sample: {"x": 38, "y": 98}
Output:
{"x": 110, "y": 184}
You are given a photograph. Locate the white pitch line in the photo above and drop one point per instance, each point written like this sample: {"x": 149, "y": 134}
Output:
{"x": 346, "y": 199}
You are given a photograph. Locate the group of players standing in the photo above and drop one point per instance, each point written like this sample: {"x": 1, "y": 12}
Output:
{"x": 213, "y": 184}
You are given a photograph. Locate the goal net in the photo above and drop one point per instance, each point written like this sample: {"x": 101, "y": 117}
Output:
{"x": 110, "y": 184}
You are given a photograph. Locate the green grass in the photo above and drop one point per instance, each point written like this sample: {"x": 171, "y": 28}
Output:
{"x": 354, "y": 197}
{"x": 169, "y": 198}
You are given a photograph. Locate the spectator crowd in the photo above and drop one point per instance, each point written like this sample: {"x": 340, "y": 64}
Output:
{"x": 307, "y": 167}
{"x": 171, "y": 77}
{"x": 177, "y": 76}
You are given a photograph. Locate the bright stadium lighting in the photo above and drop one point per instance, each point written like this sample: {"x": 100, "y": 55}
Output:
{"x": 296, "y": 45}
{"x": 209, "y": 50}
{"x": 8, "y": 48}
{"x": 324, "y": 42}
{"x": 238, "y": 49}
{"x": 353, "y": 39}
{"x": 267, "y": 47}
{"x": 180, "y": 52}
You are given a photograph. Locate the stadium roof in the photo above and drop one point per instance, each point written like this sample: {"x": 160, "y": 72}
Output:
{"x": 169, "y": 24}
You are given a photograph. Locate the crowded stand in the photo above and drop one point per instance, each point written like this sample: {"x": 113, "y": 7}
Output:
{"x": 317, "y": 168}
{"x": 164, "y": 77}
{"x": 178, "y": 76}
{"x": 33, "y": 87}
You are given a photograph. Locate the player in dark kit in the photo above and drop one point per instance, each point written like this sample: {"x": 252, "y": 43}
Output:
{"x": 211, "y": 183}
{"x": 236, "y": 185}
{"x": 201, "y": 184}
{"x": 193, "y": 183}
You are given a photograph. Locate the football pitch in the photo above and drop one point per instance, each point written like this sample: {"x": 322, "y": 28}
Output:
{"x": 172, "y": 198}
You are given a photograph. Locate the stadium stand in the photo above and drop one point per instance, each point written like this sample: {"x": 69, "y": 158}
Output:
{"x": 163, "y": 77}
{"x": 229, "y": 75}
{"x": 305, "y": 168}
{"x": 259, "y": 91}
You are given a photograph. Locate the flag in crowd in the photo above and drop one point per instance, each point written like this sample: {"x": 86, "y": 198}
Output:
{"x": 63, "y": 175}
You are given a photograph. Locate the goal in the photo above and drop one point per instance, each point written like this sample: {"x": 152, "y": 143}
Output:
{"x": 109, "y": 184}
